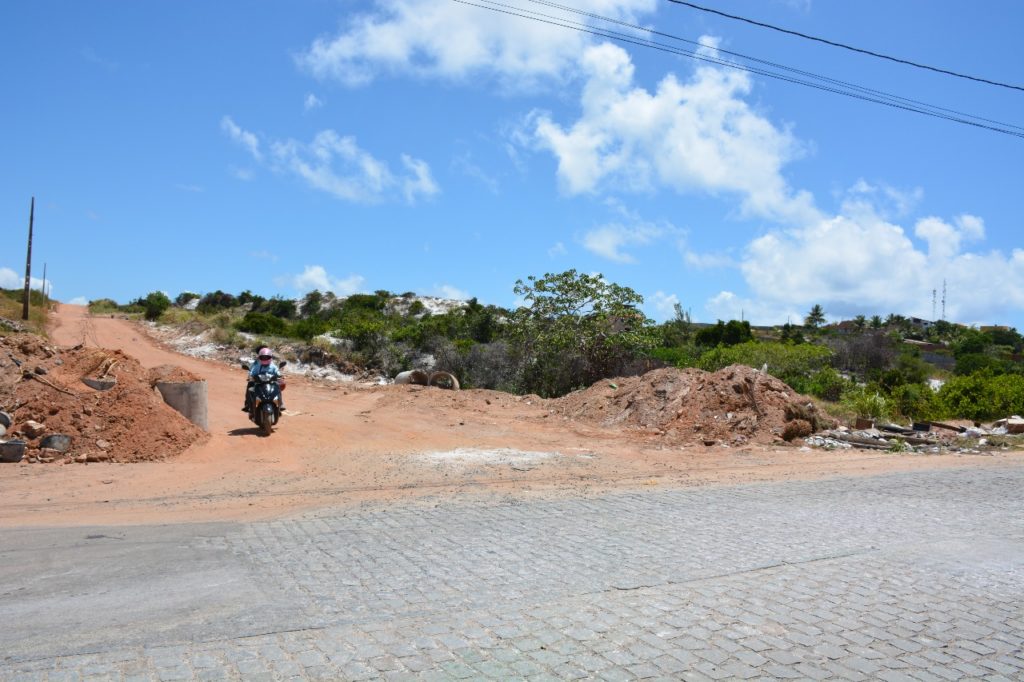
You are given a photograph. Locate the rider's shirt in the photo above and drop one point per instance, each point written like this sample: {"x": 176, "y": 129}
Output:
{"x": 270, "y": 369}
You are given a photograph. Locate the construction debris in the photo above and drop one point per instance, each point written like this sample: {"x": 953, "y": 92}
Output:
{"x": 733, "y": 406}
{"x": 54, "y": 415}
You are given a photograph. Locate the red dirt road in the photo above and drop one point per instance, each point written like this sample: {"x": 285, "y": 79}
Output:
{"x": 345, "y": 445}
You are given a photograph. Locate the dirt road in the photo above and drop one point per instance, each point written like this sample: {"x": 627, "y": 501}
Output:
{"x": 347, "y": 444}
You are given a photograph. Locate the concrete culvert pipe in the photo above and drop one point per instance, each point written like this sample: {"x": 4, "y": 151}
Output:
{"x": 444, "y": 380}
{"x": 188, "y": 398}
{"x": 413, "y": 376}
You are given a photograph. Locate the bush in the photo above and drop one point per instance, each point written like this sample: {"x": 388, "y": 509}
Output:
{"x": 155, "y": 304}
{"x": 793, "y": 364}
{"x": 216, "y": 301}
{"x": 970, "y": 363}
{"x": 726, "y": 334}
{"x": 915, "y": 401}
{"x": 982, "y": 396}
{"x": 867, "y": 403}
{"x": 262, "y": 323}
{"x": 103, "y": 305}
{"x": 184, "y": 297}
{"x": 827, "y": 384}
{"x": 679, "y": 356}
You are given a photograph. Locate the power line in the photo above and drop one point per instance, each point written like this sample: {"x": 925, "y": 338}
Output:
{"x": 847, "y": 47}
{"x": 809, "y": 74}
{"x": 827, "y": 85}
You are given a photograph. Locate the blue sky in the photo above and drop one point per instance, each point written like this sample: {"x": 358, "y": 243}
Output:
{"x": 446, "y": 149}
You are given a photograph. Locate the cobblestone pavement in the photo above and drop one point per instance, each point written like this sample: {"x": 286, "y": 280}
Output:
{"x": 901, "y": 577}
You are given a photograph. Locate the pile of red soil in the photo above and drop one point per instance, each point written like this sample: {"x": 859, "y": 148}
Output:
{"x": 127, "y": 423}
{"x": 734, "y": 405}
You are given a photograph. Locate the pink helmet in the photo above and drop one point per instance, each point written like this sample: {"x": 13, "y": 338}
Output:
{"x": 266, "y": 355}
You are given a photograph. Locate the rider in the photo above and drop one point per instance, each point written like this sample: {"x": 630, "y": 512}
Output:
{"x": 264, "y": 366}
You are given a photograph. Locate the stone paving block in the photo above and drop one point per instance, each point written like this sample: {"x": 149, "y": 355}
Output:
{"x": 849, "y": 578}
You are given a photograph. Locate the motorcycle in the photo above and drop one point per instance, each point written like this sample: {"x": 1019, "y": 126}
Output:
{"x": 264, "y": 393}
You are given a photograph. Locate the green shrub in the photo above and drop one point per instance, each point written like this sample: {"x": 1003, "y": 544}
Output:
{"x": 726, "y": 334}
{"x": 154, "y": 304}
{"x": 791, "y": 363}
{"x": 827, "y": 384}
{"x": 184, "y": 297}
{"x": 103, "y": 305}
{"x": 679, "y": 356}
{"x": 262, "y": 323}
{"x": 915, "y": 402}
{"x": 867, "y": 403}
{"x": 982, "y": 396}
{"x": 970, "y": 363}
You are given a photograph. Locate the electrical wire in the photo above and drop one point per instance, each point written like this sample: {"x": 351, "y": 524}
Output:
{"x": 847, "y": 47}
{"x": 827, "y": 85}
{"x": 809, "y": 74}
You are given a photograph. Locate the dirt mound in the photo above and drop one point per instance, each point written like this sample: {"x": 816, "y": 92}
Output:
{"x": 170, "y": 374}
{"x": 44, "y": 390}
{"x": 734, "y": 405}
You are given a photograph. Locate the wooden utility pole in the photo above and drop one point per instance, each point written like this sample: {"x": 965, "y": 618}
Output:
{"x": 28, "y": 260}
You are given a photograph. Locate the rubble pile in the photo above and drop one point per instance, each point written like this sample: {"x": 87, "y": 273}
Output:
{"x": 732, "y": 406}
{"x": 923, "y": 437}
{"x": 87, "y": 404}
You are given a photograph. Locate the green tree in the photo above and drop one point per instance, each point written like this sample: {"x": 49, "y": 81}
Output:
{"x": 575, "y": 329}
{"x": 816, "y": 317}
{"x": 724, "y": 333}
{"x": 876, "y": 321}
{"x": 791, "y": 334}
{"x": 860, "y": 322}
{"x": 312, "y": 303}
{"x": 184, "y": 297}
{"x": 155, "y": 304}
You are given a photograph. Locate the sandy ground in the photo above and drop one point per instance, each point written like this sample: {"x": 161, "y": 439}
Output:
{"x": 349, "y": 444}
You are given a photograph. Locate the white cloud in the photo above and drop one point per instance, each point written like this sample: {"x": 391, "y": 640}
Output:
{"x": 706, "y": 261}
{"x": 449, "y": 291}
{"x": 316, "y": 277}
{"x": 247, "y": 140}
{"x": 244, "y": 174}
{"x": 264, "y": 255}
{"x": 337, "y": 165}
{"x": 190, "y": 188}
{"x": 420, "y": 182}
{"x": 664, "y": 305}
{"x": 9, "y": 279}
{"x": 465, "y": 164}
{"x": 610, "y": 240}
{"x": 700, "y": 135}
{"x": 859, "y": 263}
{"x": 312, "y": 102}
{"x": 557, "y": 250}
{"x": 887, "y": 201}
{"x": 79, "y": 300}
{"x": 426, "y": 38}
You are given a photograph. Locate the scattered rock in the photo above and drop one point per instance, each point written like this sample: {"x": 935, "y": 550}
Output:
{"x": 56, "y": 441}
{"x": 33, "y": 429}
